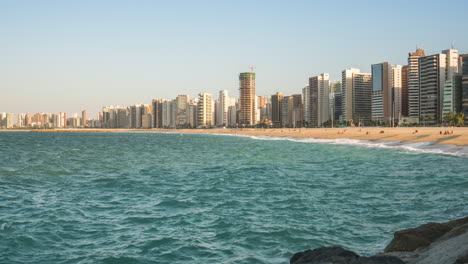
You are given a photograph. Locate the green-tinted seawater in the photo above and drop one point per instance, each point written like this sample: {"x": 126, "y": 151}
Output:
{"x": 170, "y": 198}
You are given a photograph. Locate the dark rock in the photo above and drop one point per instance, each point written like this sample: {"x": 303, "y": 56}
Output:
{"x": 462, "y": 260}
{"x": 337, "y": 255}
{"x": 409, "y": 240}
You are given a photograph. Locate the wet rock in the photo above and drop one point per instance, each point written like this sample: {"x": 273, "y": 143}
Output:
{"x": 337, "y": 255}
{"x": 409, "y": 240}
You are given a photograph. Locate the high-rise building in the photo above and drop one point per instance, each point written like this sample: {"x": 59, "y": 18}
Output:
{"x": 450, "y": 89}
{"x": 121, "y": 117}
{"x": 464, "y": 85}
{"x": 192, "y": 120}
{"x": 297, "y": 110}
{"x": 305, "y": 104}
{"x": 362, "y": 97}
{"x": 135, "y": 116}
{"x": 319, "y": 89}
{"x": 232, "y": 115}
{"x": 276, "y": 109}
{"x": 205, "y": 110}
{"x": 9, "y": 120}
{"x": 157, "y": 113}
{"x": 432, "y": 73}
{"x": 287, "y": 110}
{"x": 63, "y": 119}
{"x": 386, "y": 93}
{"x": 224, "y": 103}
{"x": 413, "y": 82}
{"x": 84, "y": 118}
{"x": 404, "y": 90}
{"x": 335, "y": 104}
{"x": 168, "y": 114}
{"x": 397, "y": 84}
{"x": 181, "y": 110}
{"x": 347, "y": 93}
{"x": 381, "y": 93}
{"x": 3, "y": 119}
{"x": 21, "y": 121}
{"x": 247, "y": 98}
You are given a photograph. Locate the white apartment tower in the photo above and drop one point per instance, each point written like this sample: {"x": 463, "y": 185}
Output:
{"x": 319, "y": 89}
{"x": 204, "y": 110}
{"x": 347, "y": 93}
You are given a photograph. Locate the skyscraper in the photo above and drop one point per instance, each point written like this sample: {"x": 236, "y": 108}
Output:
{"x": 362, "y": 97}
{"x": 204, "y": 110}
{"x": 9, "y": 120}
{"x": 432, "y": 73}
{"x": 464, "y": 80}
{"x": 305, "y": 104}
{"x": 287, "y": 110}
{"x": 224, "y": 103}
{"x": 157, "y": 113}
{"x": 449, "y": 93}
{"x": 181, "y": 110}
{"x": 404, "y": 90}
{"x": 386, "y": 93}
{"x": 336, "y": 108}
{"x": 319, "y": 89}
{"x": 297, "y": 110}
{"x": 276, "y": 109}
{"x": 347, "y": 93}
{"x": 413, "y": 82}
{"x": 247, "y": 98}
{"x": 84, "y": 118}
{"x": 397, "y": 83}
{"x": 381, "y": 92}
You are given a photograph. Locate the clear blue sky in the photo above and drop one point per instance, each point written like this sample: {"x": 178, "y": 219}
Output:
{"x": 72, "y": 55}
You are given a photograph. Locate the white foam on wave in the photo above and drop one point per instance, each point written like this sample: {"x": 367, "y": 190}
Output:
{"x": 418, "y": 147}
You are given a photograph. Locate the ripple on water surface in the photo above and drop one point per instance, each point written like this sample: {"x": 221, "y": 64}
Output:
{"x": 166, "y": 198}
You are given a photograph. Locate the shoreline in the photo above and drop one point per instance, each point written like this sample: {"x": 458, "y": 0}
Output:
{"x": 457, "y": 136}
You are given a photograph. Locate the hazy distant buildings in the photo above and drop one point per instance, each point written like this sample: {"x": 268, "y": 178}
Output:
{"x": 84, "y": 118}
{"x": 247, "y": 98}
{"x": 181, "y": 111}
{"x": 157, "y": 113}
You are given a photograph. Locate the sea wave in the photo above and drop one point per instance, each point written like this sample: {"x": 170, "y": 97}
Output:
{"x": 406, "y": 147}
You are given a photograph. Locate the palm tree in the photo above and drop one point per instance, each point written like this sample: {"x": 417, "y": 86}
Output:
{"x": 459, "y": 119}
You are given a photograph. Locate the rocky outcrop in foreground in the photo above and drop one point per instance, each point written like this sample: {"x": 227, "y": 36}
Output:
{"x": 432, "y": 243}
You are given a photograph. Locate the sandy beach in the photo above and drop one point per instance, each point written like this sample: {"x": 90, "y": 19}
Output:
{"x": 437, "y": 135}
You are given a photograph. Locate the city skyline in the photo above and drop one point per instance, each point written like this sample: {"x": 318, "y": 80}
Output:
{"x": 60, "y": 57}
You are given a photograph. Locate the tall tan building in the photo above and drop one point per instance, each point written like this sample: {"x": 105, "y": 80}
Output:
{"x": 247, "y": 98}
{"x": 204, "y": 110}
{"x": 413, "y": 82}
{"x": 84, "y": 118}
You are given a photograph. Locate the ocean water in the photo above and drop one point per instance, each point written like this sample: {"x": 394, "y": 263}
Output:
{"x": 183, "y": 198}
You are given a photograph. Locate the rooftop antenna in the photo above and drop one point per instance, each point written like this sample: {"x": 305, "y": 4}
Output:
{"x": 453, "y": 45}
{"x": 252, "y": 68}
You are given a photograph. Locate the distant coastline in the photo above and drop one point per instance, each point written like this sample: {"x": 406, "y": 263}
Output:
{"x": 457, "y": 136}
